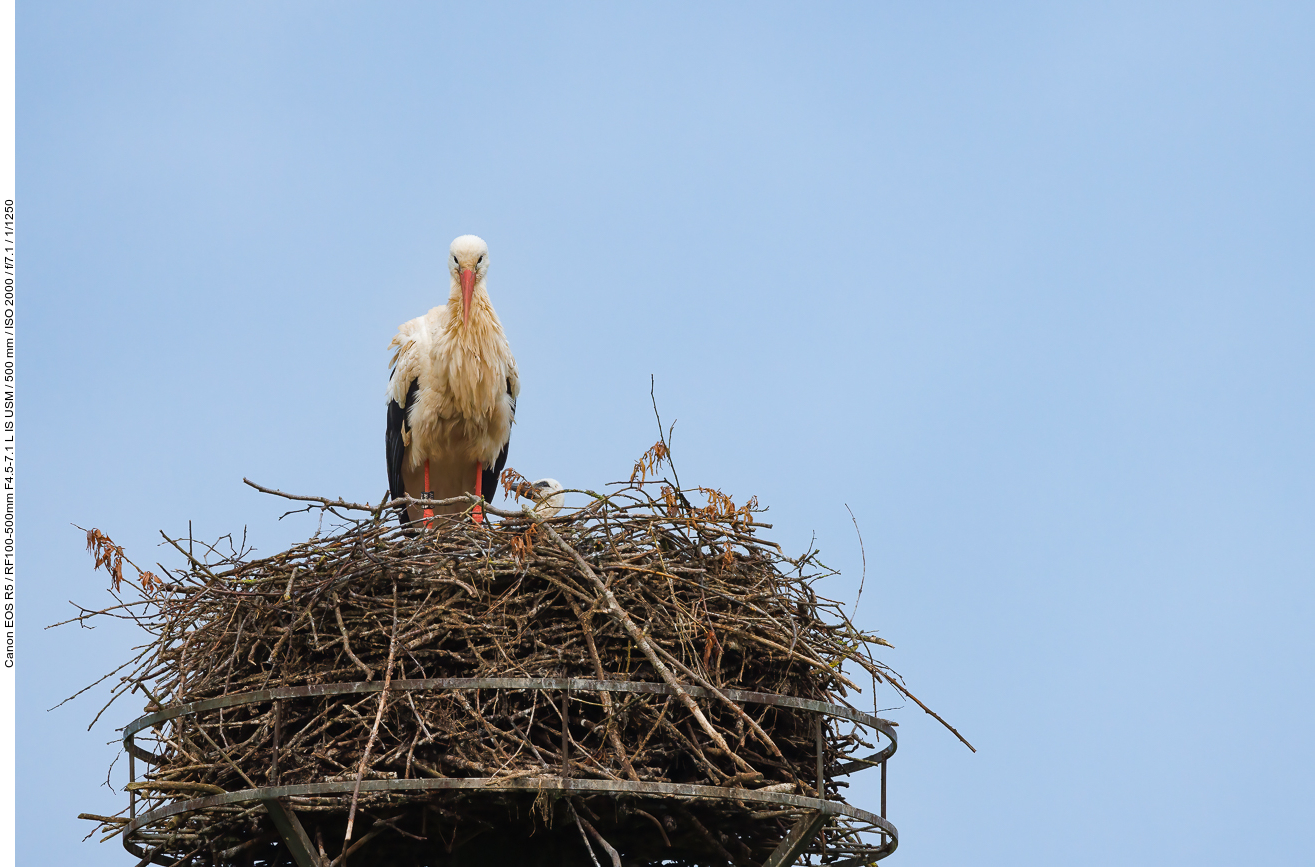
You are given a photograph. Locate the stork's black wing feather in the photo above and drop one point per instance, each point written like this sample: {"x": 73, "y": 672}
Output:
{"x": 394, "y": 447}
{"x": 489, "y": 483}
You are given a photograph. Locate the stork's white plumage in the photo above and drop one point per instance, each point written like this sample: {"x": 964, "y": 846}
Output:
{"x": 452, "y": 394}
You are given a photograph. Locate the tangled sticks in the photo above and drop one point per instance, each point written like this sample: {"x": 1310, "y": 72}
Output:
{"x": 369, "y": 637}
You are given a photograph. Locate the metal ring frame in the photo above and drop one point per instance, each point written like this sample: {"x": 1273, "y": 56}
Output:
{"x": 819, "y": 809}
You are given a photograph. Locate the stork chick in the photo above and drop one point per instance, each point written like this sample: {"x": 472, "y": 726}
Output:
{"x": 452, "y": 393}
{"x": 548, "y": 497}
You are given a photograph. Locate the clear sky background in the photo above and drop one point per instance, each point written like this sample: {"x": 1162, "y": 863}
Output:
{"x": 1028, "y": 286}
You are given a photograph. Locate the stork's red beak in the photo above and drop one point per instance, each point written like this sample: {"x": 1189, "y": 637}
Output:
{"x": 467, "y": 289}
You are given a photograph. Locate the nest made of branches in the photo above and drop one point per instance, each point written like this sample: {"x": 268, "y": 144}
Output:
{"x": 637, "y": 585}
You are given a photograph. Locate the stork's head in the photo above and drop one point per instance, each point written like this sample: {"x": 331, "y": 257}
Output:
{"x": 468, "y": 261}
{"x": 548, "y": 493}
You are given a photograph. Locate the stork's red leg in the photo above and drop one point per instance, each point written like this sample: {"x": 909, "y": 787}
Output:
{"x": 428, "y": 495}
{"x": 478, "y": 514}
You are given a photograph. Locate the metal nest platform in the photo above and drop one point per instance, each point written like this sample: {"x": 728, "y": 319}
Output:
{"x": 646, "y": 822}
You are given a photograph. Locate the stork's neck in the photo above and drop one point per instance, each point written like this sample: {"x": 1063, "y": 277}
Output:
{"x": 480, "y": 324}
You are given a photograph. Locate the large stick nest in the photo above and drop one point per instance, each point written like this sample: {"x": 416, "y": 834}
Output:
{"x": 631, "y": 587}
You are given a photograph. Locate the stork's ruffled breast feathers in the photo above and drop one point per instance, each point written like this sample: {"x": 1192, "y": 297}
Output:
{"x": 471, "y": 367}
{"x": 472, "y": 362}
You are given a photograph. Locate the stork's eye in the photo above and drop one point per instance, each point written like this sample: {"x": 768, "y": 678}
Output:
{"x": 481, "y": 258}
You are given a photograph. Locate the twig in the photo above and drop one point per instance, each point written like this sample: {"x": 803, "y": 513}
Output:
{"x": 583, "y": 836}
{"x": 863, "y": 579}
{"x": 611, "y": 852}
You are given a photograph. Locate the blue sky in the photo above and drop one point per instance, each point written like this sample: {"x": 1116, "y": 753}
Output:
{"x": 1028, "y": 287}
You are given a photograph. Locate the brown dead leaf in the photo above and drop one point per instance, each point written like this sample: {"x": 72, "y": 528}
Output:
{"x": 106, "y": 555}
{"x": 649, "y": 462}
{"x": 513, "y": 482}
{"x": 150, "y": 582}
{"x": 522, "y": 546}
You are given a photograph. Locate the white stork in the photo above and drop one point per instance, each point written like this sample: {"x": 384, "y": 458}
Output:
{"x": 452, "y": 393}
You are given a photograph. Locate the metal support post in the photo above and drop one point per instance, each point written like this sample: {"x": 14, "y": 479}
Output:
{"x": 883, "y": 790}
{"x": 821, "y": 778}
{"x": 566, "y": 717}
{"x": 132, "y": 778}
{"x": 278, "y": 732}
